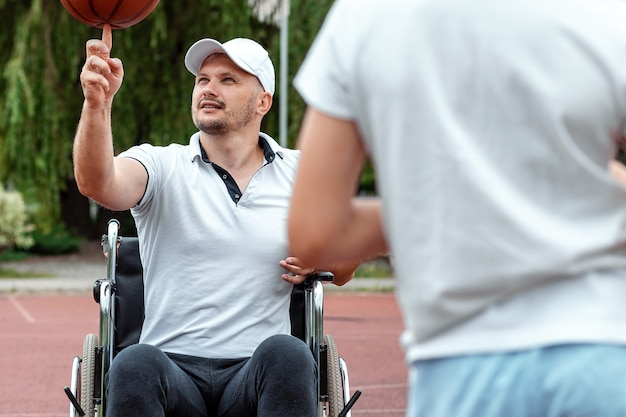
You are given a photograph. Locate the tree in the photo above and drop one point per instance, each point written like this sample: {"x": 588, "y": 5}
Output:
{"x": 42, "y": 48}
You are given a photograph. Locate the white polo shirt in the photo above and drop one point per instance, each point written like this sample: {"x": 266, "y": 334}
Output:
{"x": 213, "y": 285}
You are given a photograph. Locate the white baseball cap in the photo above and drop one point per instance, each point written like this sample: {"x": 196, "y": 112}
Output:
{"x": 246, "y": 53}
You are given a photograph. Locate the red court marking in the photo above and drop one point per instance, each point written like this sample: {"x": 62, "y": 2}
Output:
{"x": 39, "y": 336}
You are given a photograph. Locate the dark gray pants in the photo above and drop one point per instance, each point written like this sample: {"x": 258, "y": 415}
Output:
{"x": 278, "y": 380}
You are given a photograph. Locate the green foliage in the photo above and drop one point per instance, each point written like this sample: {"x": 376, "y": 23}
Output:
{"x": 42, "y": 50}
{"x": 55, "y": 242}
{"x": 13, "y": 220}
{"x": 13, "y": 255}
{"x": 35, "y": 130}
{"x": 368, "y": 180}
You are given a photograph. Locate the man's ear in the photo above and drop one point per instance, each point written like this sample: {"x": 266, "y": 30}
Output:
{"x": 265, "y": 102}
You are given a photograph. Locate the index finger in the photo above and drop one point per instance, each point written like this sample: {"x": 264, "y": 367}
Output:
{"x": 107, "y": 35}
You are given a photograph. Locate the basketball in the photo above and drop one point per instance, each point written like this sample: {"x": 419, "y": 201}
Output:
{"x": 119, "y": 14}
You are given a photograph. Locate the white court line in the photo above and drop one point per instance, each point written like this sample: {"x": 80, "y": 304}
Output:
{"x": 22, "y": 310}
{"x": 376, "y": 412}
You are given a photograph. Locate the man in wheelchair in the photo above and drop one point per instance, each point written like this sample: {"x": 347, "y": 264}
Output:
{"x": 211, "y": 222}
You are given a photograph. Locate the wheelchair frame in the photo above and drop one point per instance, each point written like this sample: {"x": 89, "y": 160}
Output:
{"x": 87, "y": 387}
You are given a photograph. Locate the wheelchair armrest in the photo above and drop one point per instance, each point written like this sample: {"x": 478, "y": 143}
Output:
{"x": 319, "y": 276}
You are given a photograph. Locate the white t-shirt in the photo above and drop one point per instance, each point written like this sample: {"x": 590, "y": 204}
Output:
{"x": 490, "y": 123}
{"x": 213, "y": 284}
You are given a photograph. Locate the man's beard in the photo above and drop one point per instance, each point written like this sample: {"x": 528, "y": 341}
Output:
{"x": 224, "y": 126}
{"x": 213, "y": 128}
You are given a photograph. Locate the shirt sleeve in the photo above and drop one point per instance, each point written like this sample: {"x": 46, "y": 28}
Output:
{"x": 145, "y": 154}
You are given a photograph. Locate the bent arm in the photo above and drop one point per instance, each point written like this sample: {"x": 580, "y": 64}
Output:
{"x": 116, "y": 183}
{"x": 327, "y": 224}
{"x": 343, "y": 272}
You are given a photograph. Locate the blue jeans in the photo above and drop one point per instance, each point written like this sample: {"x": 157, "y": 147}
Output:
{"x": 574, "y": 380}
{"x": 278, "y": 380}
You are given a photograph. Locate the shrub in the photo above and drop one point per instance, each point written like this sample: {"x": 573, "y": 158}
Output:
{"x": 13, "y": 220}
{"x": 57, "y": 241}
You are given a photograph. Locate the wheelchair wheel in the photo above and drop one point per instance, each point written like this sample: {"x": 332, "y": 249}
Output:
{"x": 336, "y": 401}
{"x": 88, "y": 374}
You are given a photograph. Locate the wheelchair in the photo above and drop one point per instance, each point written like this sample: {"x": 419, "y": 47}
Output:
{"x": 120, "y": 294}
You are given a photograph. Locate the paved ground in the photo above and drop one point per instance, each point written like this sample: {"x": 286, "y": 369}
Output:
{"x": 43, "y": 322}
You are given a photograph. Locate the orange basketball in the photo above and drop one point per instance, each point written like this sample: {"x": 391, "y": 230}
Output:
{"x": 119, "y": 14}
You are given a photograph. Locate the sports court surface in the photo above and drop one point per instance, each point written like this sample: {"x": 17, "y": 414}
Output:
{"x": 40, "y": 334}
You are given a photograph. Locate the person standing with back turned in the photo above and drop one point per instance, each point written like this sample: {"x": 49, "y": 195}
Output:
{"x": 211, "y": 220}
{"x": 490, "y": 124}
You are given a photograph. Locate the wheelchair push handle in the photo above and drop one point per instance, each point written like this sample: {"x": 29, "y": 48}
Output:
{"x": 319, "y": 276}
{"x": 113, "y": 221}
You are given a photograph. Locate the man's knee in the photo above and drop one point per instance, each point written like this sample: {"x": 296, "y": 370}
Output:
{"x": 285, "y": 354}
{"x": 138, "y": 362}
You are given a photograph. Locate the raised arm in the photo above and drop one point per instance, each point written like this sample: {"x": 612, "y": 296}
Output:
{"x": 116, "y": 183}
{"x": 327, "y": 224}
